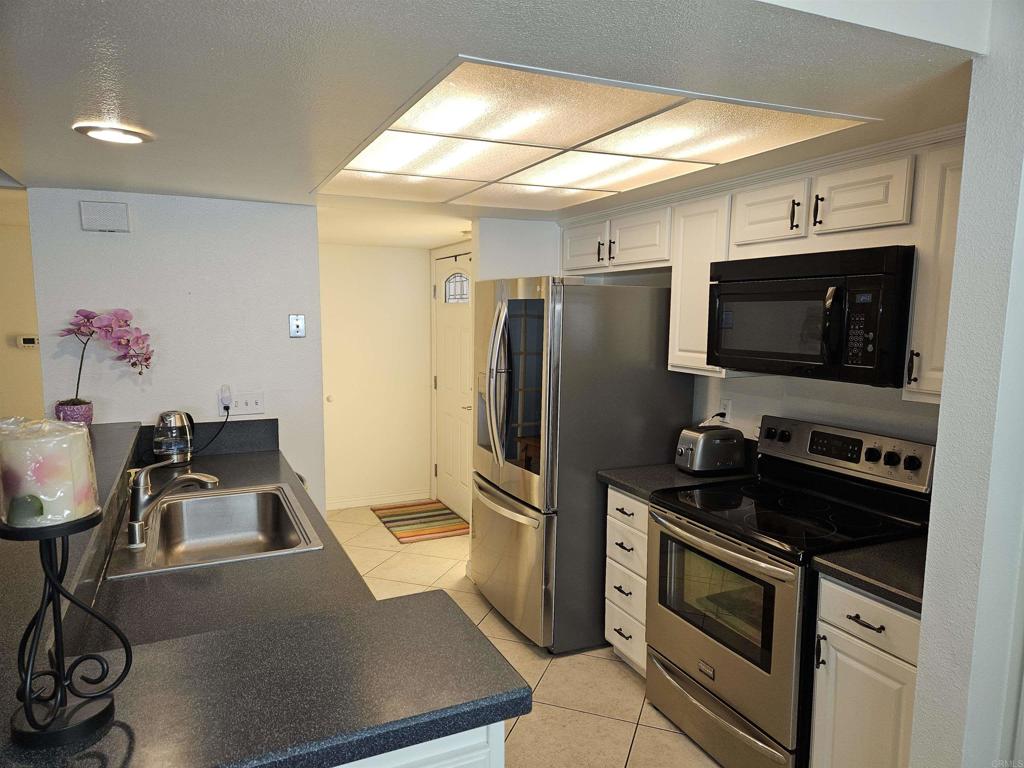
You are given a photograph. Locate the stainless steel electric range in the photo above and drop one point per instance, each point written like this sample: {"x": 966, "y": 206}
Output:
{"x": 730, "y": 615}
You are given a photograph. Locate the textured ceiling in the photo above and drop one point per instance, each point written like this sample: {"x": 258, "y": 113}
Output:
{"x": 258, "y": 99}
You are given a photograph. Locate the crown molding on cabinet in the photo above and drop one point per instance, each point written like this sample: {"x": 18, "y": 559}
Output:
{"x": 815, "y": 165}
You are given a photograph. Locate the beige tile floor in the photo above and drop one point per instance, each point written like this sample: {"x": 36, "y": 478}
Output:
{"x": 589, "y": 708}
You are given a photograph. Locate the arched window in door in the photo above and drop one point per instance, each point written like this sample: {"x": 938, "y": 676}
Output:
{"x": 456, "y": 289}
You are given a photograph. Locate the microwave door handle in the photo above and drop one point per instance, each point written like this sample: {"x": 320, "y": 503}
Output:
{"x": 726, "y": 555}
{"x": 832, "y": 327}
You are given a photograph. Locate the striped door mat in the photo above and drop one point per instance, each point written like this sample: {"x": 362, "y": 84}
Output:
{"x": 420, "y": 520}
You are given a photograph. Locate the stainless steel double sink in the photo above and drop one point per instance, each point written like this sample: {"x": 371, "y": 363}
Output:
{"x": 190, "y": 530}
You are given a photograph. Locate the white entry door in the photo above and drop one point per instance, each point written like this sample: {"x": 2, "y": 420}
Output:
{"x": 453, "y": 378}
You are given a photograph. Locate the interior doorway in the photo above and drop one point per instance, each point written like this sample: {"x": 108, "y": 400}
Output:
{"x": 452, "y": 345}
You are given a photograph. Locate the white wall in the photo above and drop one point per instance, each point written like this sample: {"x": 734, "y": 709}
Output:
{"x": 375, "y": 304}
{"x": 516, "y": 248}
{"x": 968, "y": 667}
{"x": 213, "y": 281}
{"x": 827, "y": 402}
{"x": 958, "y": 23}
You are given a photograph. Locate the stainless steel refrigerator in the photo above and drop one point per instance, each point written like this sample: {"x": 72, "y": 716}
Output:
{"x": 570, "y": 378}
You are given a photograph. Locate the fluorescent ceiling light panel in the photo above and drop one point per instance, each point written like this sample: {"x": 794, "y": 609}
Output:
{"x": 396, "y": 187}
{"x": 592, "y": 170}
{"x": 529, "y": 197}
{"x": 483, "y": 101}
{"x": 717, "y": 132}
{"x": 423, "y": 155}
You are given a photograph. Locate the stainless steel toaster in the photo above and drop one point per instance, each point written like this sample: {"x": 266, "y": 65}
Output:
{"x": 710, "y": 448}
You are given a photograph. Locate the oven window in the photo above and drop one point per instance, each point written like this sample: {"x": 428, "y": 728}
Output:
{"x": 777, "y": 327}
{"x": 726, "y": 604}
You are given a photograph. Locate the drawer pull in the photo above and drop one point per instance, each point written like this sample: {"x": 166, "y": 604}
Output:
{"x": 856, "y": 619}
{"x": 622, "y": 591}
{"x": 623, "y": 635}
{"x": 622, "y": 510}
{"x": 624, "y": 548}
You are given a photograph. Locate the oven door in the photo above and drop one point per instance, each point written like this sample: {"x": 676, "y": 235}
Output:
{"x": 787, "y": 327}
{"x": 727, "y": 615}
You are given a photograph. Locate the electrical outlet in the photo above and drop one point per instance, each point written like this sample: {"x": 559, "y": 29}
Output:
{"x": 725, "y": 404}
{"x": 247, "y": 403}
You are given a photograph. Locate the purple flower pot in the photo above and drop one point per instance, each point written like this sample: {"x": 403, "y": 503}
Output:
{"x": 80, "y": 412}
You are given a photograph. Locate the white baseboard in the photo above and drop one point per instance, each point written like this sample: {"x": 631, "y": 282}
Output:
{"x": 380, "y": 498}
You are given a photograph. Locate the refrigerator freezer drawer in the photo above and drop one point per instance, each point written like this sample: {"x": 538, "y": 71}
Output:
{"x": 511, "y": 560}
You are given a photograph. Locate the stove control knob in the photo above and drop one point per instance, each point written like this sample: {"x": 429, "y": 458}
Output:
{"x": 771, "y": 433}
{"x": 912, "y": 463}
{"x": 891, "y": 459}
{"x": 784, "y": 436}
{"x": 872, "y": 455}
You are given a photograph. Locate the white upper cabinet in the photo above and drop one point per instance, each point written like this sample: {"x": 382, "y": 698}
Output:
{"x": 777, "y": 212}
{"x": 640, "y": 238}
{"x": 700, "y": 235}
{"x": 940, "y": 175}
{"x": 869, "y": 196}
{"x": 585, "y": 247}
{"x": 624, "y": 242}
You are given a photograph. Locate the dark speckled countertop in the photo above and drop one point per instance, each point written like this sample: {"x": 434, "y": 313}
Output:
{"x": 893, "y": 571}
{"x": 284, "y": 661}
{"x": 643, "y": 481}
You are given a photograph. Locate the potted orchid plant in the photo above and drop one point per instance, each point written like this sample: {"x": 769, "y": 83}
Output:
{"x": 115, "y": 329}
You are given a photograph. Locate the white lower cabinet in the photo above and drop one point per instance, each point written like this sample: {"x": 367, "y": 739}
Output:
{"x": 625, "y": 605}
{"x": 863, "y": 695}
{"x": 478, "y": 748}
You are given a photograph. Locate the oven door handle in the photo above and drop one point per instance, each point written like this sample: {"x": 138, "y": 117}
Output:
{"x": 770, "y": 752}
{"x": 726, "y": 555}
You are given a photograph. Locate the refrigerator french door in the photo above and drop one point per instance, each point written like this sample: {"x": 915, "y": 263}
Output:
{"x": 570, "y": 378}
{"x": 517, "y": 326}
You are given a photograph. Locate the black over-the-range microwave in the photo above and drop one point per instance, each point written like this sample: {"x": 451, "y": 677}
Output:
{"x": 838, "y": 315}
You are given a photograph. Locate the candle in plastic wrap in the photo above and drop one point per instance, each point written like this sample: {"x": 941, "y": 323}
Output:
{"x": 47, "y": 472}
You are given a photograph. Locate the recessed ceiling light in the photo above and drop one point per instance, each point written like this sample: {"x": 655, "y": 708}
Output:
{"x": 115, "y": 134}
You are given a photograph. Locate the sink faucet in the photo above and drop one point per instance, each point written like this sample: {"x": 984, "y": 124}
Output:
{"x": 143, "y": 498}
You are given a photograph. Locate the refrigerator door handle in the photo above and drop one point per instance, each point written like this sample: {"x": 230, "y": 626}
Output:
{"x": 492, "y": 354}
{"x": 489, "y": 501}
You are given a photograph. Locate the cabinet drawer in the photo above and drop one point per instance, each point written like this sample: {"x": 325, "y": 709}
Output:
{"x": 625, "y": 633}
{"x": 628, "y": 547}
{"x": 837, "y": 604}
{"x": 627, "y": 509}
{"x": 626, "y": 590}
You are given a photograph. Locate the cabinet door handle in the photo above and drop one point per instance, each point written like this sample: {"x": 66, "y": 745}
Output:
{"x": 600, "y": 245}
{"x": 622, "y": 591}
{"x": 622, "y": 510}
{"x": 818, "y": 661}
{"x": 623, "y": 547}
{"x": 911, "y": 378}
{"x": 792, "y": 214}
{"x": 610, "y": 256}
{"x": 856, "y": 619}
{"x": 815, "y": 221}
{"x": 623, "y": 635}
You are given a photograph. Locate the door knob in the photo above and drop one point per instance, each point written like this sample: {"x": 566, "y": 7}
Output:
{"x": 330, "y": 398}
{"x": 467, "y": 407}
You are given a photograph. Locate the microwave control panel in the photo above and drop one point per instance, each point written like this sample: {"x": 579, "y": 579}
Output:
{"x": 861, "y": 327}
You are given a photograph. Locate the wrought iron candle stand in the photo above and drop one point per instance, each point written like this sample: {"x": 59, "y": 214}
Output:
{"x": 55, "y": 710}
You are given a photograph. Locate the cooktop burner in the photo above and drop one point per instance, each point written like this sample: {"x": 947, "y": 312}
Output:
{"x": 792, "y": 522}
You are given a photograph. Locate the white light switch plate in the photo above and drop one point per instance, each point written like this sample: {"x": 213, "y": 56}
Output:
{"x": 247, "y": 403}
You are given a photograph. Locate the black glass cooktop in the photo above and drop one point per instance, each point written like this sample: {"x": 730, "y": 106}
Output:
{"x": 794, "y": 523}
